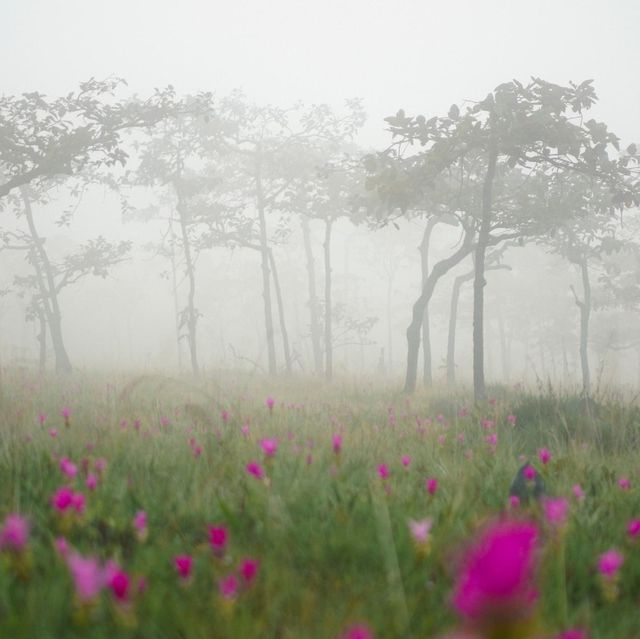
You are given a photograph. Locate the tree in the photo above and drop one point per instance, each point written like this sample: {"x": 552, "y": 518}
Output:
{"x": 538, "y": 126}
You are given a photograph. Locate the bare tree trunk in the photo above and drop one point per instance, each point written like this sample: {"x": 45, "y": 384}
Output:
{"x": 585, "y": 311}
{"x": 192, "y": 312}
{"x": 42, "y": 339}
{"x": 413, "y": 330}
{"x": 328, "y": 337}
{"x": 453, "y": 320}
{"x": 479, "y": 281}
{"x": 174, "y": 288}
{"x": 283, "y": 325}
{"x": 48, "y": 290}
{"x": 264, "y": 254}
{"x": 427, "y": 374}
{"x": 313, "y": 299}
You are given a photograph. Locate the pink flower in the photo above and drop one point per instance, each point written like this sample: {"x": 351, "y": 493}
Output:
{"x": 225, "y": 416}
{"x": 574, "y": 633}
{"x": 488, "y": 424}
{"x": 78, "y": 501}
{"x": 270, "y": 402}
{"x": 497, "y": 577}
{"x": 511, "y": 419}
{"x": 633, "y": 529}
{"x": 529, "y": 473}
{"x": 62, "y": 546}
{"x": 269, "y": 446}
{"x": 431, "y": 485}
{"x": 228, "y": 587}
{"x": 492, "y": 439}
{"x": 14, "y": 533}
{"x": 42, "y": 418}
{"x": 254, "y": 468}
{"x": 609, "y": 563}
{"x": 66, "y": 413}
{"x": 578, "y": 493}
{"x": 420, "y": 530}
{"x": 249, "y": 570}
{"x": 383, "y": 471}
{"x": 544, "y": 455}
{"x": 624, "y": 483}
{"x": 183, "y": 564}
{"x": 245, "y": 429}
{"x": 514, "y": 501}
{"x": 555, "y": 510}
{"x": 140, "y": 522}
{"x": 406, "y": 460}
{"x": 68, "y": 467}
{"x": 442, "y": 440}
{"x": 463, "y": 412}
{"x": 87, "y": 574}
{"x": 53, "y": 432}
{"x": 218, "y": 536}
{"x": 336, "y": 443}
{"x": 62, "y": 499}
{"x": 358, "y": 632}
{"x": 91, "y": 481}
{"x": 100, "y": 465}
{"x": 119, "y": 582}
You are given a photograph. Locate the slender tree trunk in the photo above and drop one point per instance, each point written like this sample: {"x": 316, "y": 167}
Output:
{"x": 427, "y": 374}
{"x": 174, "y": 287}
{"x": 413, "y": 330}
{"x": 192, "y": 313}
{"x": 479, "y": 280}
{"x": 48, "y": 290}
{"x": 283, "y": 325}
{"x": 585, "y": 312}
{"x": 314, "y": 315}
{"x": 328, "y": 337}
{"x": 266, "y": 279}
{"x": 453, "y": 320}
{"x": 42, "y": 339}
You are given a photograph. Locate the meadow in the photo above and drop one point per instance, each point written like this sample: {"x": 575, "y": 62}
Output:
{"x": 156, "y": 507}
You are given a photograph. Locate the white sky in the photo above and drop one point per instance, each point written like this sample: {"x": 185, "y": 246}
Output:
{"x": 420, "y": 55}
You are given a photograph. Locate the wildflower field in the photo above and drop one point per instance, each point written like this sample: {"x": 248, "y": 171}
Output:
{"x": 234, "y": 507}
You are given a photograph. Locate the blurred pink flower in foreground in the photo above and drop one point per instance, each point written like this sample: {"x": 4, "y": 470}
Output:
{"x": 497, "y": 576}
{"x": 544, "y": 455}
{"x": 578, "y": 493}
{"x": 228, "y": 586}
{"x": 269, "y": 446}
{"x": 88, "y": 576}
{"x": 218, "y": 537}
{"x": 514, "y": 501}
{"x": 406, "y": 460}
{"x": 91, "y": 482}
{"x": 431, "y": 485}
{"x": 529, "y": 472}
{"x": 254, "y": 468}
{"x": 633, "y": 528}
{"x": 14, "y": 534}
{"x": 118, "y": 581}
{"x": 555, "y": 510}
{"x": 184, "y": 565}
{"x": 358, "y": 632}
{"x": 574, "y": 633}
{"x": 249, "y": 569}
{"x": 609, "y": 563}
{"x": 336, "y": 444}
{"x": 420, "y": 530}
{"x": 624, "y": 483}
{"x": 140, "y": 523}
{"x": 511, "y": 419}
{"x": 383, "y": 471}
{"x": 270, "y": 402}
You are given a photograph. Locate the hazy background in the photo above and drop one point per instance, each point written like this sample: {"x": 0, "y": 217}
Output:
{"x": 417, "y": 55}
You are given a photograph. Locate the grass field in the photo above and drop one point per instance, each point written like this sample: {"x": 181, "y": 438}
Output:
{"x": 289, "y": 506}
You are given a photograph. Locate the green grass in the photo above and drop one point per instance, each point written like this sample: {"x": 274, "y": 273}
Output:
{"x": 331, "y": 536}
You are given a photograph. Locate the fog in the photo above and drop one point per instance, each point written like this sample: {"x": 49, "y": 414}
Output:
{"x": 150, "y": 309}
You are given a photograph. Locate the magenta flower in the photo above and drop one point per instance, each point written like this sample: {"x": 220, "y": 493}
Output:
{"x": 514, "y": 501}
{"x": 183, "y": 564}
{"x": 14, "y": 533}
{"x": 544, "y": 455}
{"x": 269, "y": 446}
{"x": 140, "y": 523}
{"x": 442, "y": 440}
{"x": 463, "y": 412}
{"x": 228, "y": 587}
{"x": 68, "y": 467}
{"x": 574, "y": 633}
{"x": 66, "y": 413}
{"x": 609, "y": 563}
{"x": 270, "y": 402}
{"x": 249, "y": 570}
{"x": 245, "y": 429}
{"x": 492, "y": 439}
{"x": 118, "y": 581}
{"x": 62, "y": 499}
{"x": 406, "y": 460}
{"x": 254, "y": 468}
{"x": 78, "y": 502}
{"x": 624, "y": 483}
{"x": 358, "y": 632}
{"x": 225, "y": 416}
{"x": 511, "y": 419}
{"x": 100, "y": 465}
{"x": 529, "y": 472}
{"x": 488, "y": 424}
{"x": 336, "y": 443}
{"x": 42, "y": 418}
{"x": 62, "y": 547}
{"x": 383, "y": 471}
{"x": 88, "y": 576}
{"x": 555, "y": 510}
{"x": 218, "y": 537}
{"x": 633, "y": 528}
{"x": 431, "y": 485}
{"x": 53, "y": 432}
{"x": 420, "y": 530}
{"x": 91, "y": 481}
{"x": 578, "y": 493}
{"x": 497, "y": 576}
